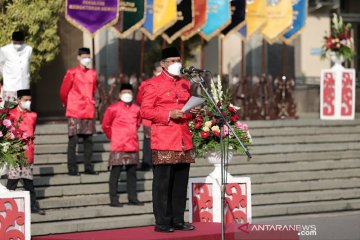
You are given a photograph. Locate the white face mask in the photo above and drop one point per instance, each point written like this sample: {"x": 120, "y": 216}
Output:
{"x": 126, "y": 97}
{"x": 25, "y": 105}
{"x": 85, "y": 62}
{"x": 18, "y": 47}
{"x": 174, "y": 69}
{"x": 111, "y": 81}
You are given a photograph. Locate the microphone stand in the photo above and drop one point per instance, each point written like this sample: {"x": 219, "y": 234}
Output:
{"x": 224, "y": 151}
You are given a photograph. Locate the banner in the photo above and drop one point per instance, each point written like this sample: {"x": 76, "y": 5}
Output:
{"x": 218, "y": 18}
{"x": 185, "y": 16}
{"x": 160, "y": 15}
{"x": 92, "y": 16}
{"x": 255, "y": 18}
{"x": 237, "y": 16}
{"x": 279, "y": 19}
{"x": 131, "y": 17}
{"x": 299, "y": 19}
{"x": 200, "y": 17}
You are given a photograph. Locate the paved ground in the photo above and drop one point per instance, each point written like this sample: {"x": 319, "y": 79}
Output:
{"x": 327, "y": 226}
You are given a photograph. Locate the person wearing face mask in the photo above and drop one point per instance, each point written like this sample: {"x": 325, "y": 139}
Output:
{"x": 77, "y": 94}
{"x": 27, "y": 124}
{"x": 146, "y": 164}
{"x": 171, "y": 142}
{"x": 15, "y": 61}
{"x": 120, "y": 125}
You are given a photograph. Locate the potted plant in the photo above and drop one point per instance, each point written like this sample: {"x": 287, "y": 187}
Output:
{"x": 338, "y": 45}
{"x": 206, "y": 128}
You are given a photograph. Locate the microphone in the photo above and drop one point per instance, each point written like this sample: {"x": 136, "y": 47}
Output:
{"x": 191, "y": 70}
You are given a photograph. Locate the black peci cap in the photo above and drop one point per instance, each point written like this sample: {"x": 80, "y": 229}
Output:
{"x": 18, "y": 36}
{"x": 83, "y": 51}
{"x": 23, "y": 92}
{"x": 169, "y": 52}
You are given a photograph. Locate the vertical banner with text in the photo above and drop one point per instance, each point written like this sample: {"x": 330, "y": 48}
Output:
{"x": 218, "y": 18}
{"x": 200, "y": 17}
{"x": 279, "y": 19}
{"x": 185, "y": 20}
{"x": 91, "y": 15}
{"x": 255, "y": 18}
{"x": 131, "y": 17}
{"x": 160, "y": 15}
{"x": 299, "y": 19}
{"x": 237, "y": 16}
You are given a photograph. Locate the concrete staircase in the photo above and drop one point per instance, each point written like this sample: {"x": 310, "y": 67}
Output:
{"x": 298, "y": 167}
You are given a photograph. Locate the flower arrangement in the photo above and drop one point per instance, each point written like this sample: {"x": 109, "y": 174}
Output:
{"x": 13, "y": 141}
{"x": 339, "y": 41}
{"x": 206, "y": 127}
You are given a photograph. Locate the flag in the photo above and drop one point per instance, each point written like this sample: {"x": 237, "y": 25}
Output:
{"x": 279, "y": 19}
{"x": 200, "y": 14}
{"x": 184, "y": 21}
{"x": 218, "y": 18}
{"x": 237, "y": 16}
{"x": 299, "y": 19}
{"x": 92, "y": 16}
{"x": 255, "y": 17}
{"x": 131, "y": 17}
{"x": 160, "y": 15}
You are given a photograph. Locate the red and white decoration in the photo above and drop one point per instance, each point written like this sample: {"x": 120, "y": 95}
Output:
{"x": 205, "y": 200}
{"x": 15, "y": 214}
{"x": 337, "y": 94}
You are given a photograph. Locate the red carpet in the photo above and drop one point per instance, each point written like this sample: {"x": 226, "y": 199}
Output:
{"x": 204, "y": 231}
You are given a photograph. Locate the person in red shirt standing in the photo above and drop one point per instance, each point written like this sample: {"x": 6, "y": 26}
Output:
{"x": 171, "y": 142}
{"x": 147, "y": 160}
{"x": 26, "y": 124}
{"x": 120, "y": 124}
{"x": 77, "y": 96}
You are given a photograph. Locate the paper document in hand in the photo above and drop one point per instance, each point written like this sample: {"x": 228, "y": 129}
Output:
{"x": 192, "y": 102}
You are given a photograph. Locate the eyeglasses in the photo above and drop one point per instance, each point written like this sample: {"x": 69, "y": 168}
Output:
{"x": 173, "y": 61}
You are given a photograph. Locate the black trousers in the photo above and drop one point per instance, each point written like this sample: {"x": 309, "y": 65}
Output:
{"x": 28, "y": 185}
{"x": 130, "y": 182}
{"x": 71, "y": 153}
{"x": 147, "y": 157}
{"x": 169, "y": 192}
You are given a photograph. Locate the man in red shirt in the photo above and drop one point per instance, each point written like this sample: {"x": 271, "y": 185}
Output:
{"x": 120, "y": 124}
{"x": 27, "y": 124}
{"x": 77, "y": 96}
{"x": 171, "y": 142}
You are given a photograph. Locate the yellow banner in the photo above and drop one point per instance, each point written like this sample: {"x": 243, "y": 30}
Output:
{"x": 165, "y": 15}
{"x": 279, "y": 19}
{"x": 255, "y": 16}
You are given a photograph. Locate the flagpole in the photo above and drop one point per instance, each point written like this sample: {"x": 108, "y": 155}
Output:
{"x": 93, "y": 50}
{"x": 120, "y": 56}
{"x": 182, "y": 50}
{"x": 284, "y": 62}
{"x": 201, "y": 53}
{"x": 142, "y": 49}
{"x": 221, "y": 56}
{"x": 263, "y": 57}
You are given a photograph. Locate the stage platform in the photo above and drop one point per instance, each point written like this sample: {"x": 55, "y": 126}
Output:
{"x": 203, "y": 231}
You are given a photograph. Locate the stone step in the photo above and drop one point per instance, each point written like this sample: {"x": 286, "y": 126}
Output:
{"x": 102, "y": 187}
{"x": 50, "y": 159}
{"x": 295, "y": 187}
{"x": 92, "y": 224}
{"x": 196, "y": 171}
{"x": 304, "y": 208}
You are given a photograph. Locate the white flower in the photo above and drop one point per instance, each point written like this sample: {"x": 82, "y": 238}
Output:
{"x": 206, "y": 129}
{"x": 215, "y": 128}
{"x": 208, "y": 124}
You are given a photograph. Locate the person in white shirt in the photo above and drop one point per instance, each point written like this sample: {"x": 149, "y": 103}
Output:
{"x": 15, "y": 61}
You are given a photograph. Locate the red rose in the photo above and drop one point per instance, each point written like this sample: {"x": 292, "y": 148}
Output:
{"x": 210, "y": 114}
{"x": 234, "y": 118}
{"x": 231, "y": 109}
{"x": 216, "y": 134}
{"x": 214, "y": 121}
{"x": 198, "y": 119}
{"x": 218, "y": 104}
{"x": 224, "y": 114}
{"x": 198, "y": 125}
{"x": 205, "y": 135}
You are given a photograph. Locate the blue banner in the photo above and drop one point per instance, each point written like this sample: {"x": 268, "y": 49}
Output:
{"x": 149, "y": 16}
{"x": 218, "y": 18}
{"x": 300, "y": 13}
